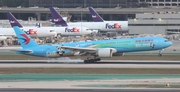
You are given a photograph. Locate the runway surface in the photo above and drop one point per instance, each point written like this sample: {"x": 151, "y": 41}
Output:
{"x": 80, "y": 64}
{"x": 91, "y": 90}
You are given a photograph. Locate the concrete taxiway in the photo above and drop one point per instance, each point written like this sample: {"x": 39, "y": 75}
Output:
{"x": 90, "y": 90}
{"x": 80, "y": 64}
{"x": 94, "y": 84}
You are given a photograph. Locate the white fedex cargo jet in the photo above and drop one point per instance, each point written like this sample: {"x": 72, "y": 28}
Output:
{"x": 110, "y": 26}
{"x": 45, "y": 31}
{"x": 67, "y": 29}
{"x": 32, "y": 31}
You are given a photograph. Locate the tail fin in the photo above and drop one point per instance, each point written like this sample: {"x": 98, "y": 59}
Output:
{"x": 95, "y": 16}
{"x": 25, "y": 40}
{"x": 57, "y": 18}
{"x": 13, "y": 21}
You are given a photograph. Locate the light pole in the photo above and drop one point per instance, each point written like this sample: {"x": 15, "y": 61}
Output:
{"x": 52, "y": 2}
{"x": 84, "y": 3}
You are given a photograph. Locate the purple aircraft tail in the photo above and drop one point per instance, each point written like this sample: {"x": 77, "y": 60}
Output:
{"x": 13, "y": 21}
{"x": 95, "y": 15}
{"x": 57, "y": 18}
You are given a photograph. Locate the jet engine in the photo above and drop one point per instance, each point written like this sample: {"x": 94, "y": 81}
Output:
{"x": 106, "y": 52}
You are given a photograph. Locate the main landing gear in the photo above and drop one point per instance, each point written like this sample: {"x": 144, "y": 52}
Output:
{"x": 92, "y": 60}
{"x": 160, "y": 52}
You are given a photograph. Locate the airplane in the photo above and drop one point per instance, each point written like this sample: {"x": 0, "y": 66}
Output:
{"x": 95, "y": 49}
{"x": 42, "y": 31}
{"x": 74, "y": 30}
{"x": 2, "y": 37}
{"x": 32, "y": 31}
{"x": 100, "y": 26}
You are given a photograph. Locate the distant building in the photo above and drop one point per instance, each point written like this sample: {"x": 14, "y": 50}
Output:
{"x": 163, "y": 23}
{"x": 85, "y": 3}
{"x": 162, "y": 3}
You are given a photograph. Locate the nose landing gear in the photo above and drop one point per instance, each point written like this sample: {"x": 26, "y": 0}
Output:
{"x": 160, "y": 52}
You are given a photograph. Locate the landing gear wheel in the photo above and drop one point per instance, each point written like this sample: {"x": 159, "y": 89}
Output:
{"x": 91, "y": 60}
{"x": 160, "y": 55}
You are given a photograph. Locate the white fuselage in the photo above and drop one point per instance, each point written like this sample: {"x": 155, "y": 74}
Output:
{"x": 72, "y": 31}
{"x": 48, "y": 31}
{"x": 32, "y": 31}
{"x": 103, "y": 26}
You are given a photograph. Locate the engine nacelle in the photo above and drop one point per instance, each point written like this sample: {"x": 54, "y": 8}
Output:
{"x": 106, "y": 52}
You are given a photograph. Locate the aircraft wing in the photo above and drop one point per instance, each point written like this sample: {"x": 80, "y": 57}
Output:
{"x": 78, "y": 49}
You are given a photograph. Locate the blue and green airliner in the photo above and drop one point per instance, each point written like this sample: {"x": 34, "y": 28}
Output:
{"x": 97, "y": 49}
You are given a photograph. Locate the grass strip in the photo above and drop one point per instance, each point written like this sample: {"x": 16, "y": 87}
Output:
{"x": 87, "y": 71}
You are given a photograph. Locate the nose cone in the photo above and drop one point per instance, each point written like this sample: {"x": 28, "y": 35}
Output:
{"x": 170, "y": 43}
{"x": 53, "y": 33}
{"x": 87, "y": 32}
{"x": 90, "y": 32}
{"x": 3, "y": 37}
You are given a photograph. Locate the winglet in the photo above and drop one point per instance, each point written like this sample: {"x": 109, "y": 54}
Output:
{"x": 57, "y": 18}
{"x": 25, "y": 40}
{"x": 95, "y": 16}
{"x": 13, "y": 21}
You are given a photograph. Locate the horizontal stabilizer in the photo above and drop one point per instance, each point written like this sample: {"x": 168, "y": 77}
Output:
{"x": 23, "y": 51}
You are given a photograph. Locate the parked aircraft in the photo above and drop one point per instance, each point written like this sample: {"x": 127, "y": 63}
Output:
{"x": 97, "y": 49}
{"x": 45, "y": 31}
{"x": 100, "y": 26}
{"x": 32, "y": 31}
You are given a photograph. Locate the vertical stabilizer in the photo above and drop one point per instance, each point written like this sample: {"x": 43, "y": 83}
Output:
{"x": 13, "y": 21}
{"x": 95, "y": 16}
{"x": 57, "y": 18}
{"x": 25, "y": 40}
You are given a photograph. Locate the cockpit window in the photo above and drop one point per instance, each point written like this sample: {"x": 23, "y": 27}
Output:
{"x": 166, "y": 40}
{"x": 51, "y": 30}
{"x": 88, "y": 30}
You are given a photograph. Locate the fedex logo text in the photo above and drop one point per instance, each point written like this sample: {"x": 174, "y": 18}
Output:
{"x": 12, "y": 21}
{"x": 94, "y": 16}
{"x": 30, "y": 32}
{"x": 115, "y": 26}
{"x": 55, "y": 20}
{"x": 72, "y": 30}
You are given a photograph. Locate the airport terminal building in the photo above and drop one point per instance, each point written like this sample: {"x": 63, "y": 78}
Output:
{"x": 149, "y": 23}
{"x": 85, "y": 3}
{"x": 161, "y": 3}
